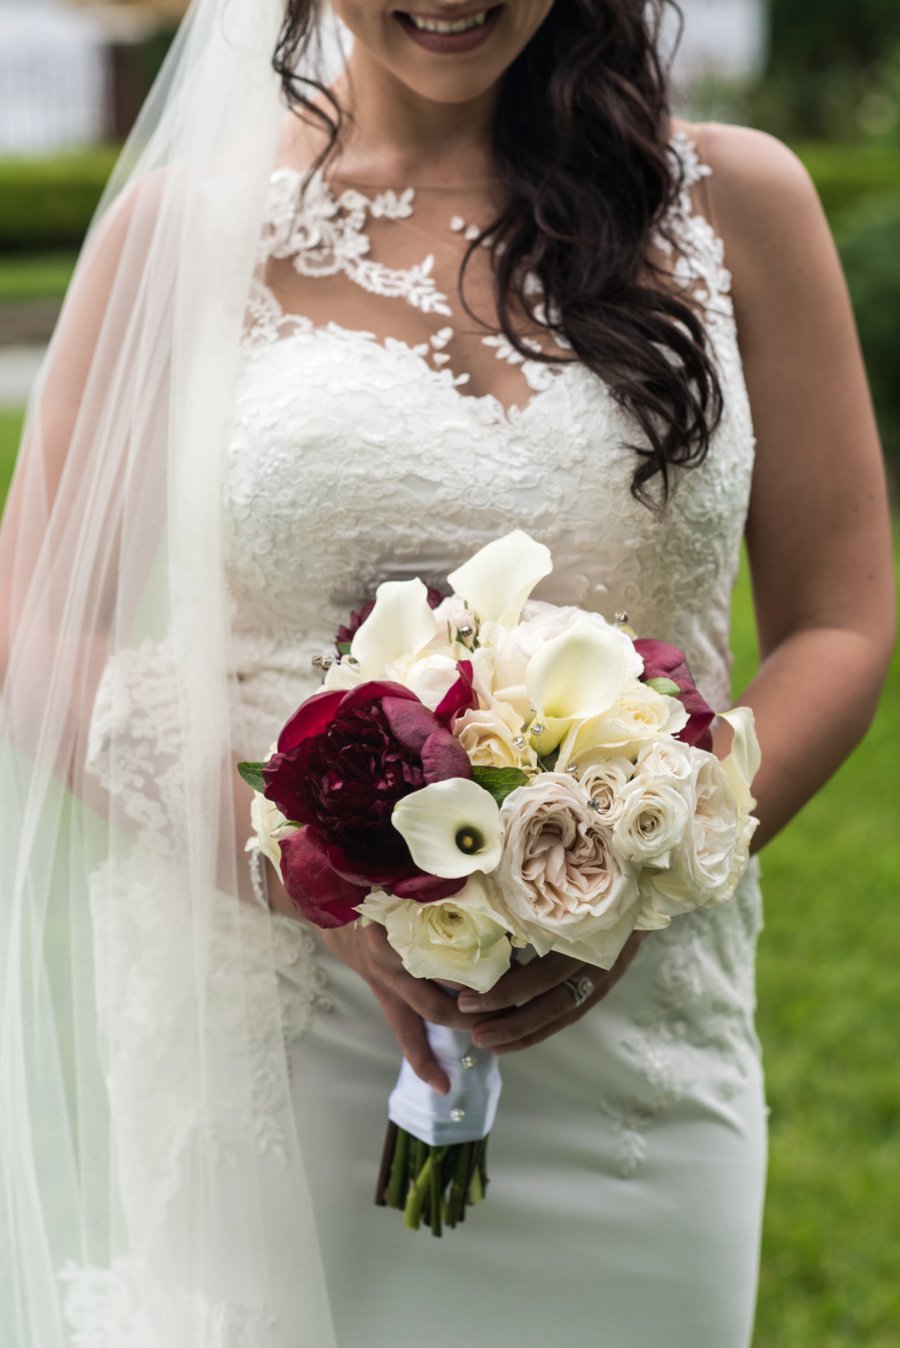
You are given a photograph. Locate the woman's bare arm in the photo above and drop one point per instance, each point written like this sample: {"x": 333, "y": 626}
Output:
{"x": 818, "y": 534}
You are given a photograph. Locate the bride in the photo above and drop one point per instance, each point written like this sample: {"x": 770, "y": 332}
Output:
{"x": 430, "y": 275}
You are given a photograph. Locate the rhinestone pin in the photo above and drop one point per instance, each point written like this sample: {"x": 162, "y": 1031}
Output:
{"x": 467, "y": 1062}
{"x": 594, "y": 804}
{"x": 572, "y": 770}
{"x": 465, "y": 631}
{"x": 622, "y": 617}
{"x": 537, "y": 727}
{"x": 323, "y": 662}
{"x": 519, "y": 742}
{"x": 457, "y": 1115}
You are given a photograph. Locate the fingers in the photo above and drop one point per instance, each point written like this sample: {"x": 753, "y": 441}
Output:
{"x": 427, "y": 999}
{"x": 554, "y": 1010}
{"x": 540, "y": 1017}
{"x": 409, "y": 1031}
{"x": 522, "y": 984}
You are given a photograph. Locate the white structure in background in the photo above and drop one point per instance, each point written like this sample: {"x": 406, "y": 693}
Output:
{"x": 53, "y": 77}
{"x": 727, "y": 39}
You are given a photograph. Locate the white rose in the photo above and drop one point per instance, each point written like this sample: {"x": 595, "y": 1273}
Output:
{"x": 666, "y": 760}
{"x": 269, "y": 825}
{"x": 495, "y": 738}
{"x": 430, "y": 677}
{"x": 706, "y": 869}
{"x": 498, "y": 668}
{"x": 653, "y": 821}
{"x": 460, "y": 940}
{"x": 561, "y": 880}
{"x": 603, "y": 784}
{"x": 639, "y": 716}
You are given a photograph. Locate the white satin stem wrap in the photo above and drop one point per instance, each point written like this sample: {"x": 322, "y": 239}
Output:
{"x": 145, "y": 1106}
{"x": 474, "y": 1090}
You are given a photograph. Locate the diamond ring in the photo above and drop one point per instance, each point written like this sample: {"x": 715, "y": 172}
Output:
{"x": 581, "y": 988}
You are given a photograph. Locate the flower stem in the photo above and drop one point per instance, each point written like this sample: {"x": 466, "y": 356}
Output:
{"x": 430, "y": 1185}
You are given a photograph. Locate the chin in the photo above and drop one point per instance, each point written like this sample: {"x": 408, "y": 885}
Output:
{"x": 445, "y": 52}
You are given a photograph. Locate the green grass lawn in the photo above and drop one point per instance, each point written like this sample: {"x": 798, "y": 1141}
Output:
{"x": 829, "y": 1012}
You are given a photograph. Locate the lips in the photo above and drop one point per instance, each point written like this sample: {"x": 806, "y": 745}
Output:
{"x": 450, "y": 32}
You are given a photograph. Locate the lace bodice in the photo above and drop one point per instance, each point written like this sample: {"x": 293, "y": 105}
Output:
{"x": 360, "y": 452}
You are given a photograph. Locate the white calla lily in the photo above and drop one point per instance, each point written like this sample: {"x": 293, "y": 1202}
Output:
{"x": 400, "y": 625}
{"x": 496, "y": 582}
{"x": 452, "y": 828}
{"x": 575, "y": 677}
{"x": 743, "y": 763}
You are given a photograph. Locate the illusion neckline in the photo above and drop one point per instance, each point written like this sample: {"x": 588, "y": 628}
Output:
{"x": 350, "y": 180}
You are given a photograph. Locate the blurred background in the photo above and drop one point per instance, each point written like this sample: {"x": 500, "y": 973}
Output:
{"x": 824, "y": 75}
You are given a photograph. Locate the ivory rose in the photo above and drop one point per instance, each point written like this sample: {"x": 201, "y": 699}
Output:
{"x": 559, "y": 877}
{"x": 460, "y": 940}
{"x": 639, "y": 716}
{"x": 652, "y": 823}
{"x": 603, "y": 783}
{"x": 489, "y": 736}
{"x": 705, "y": 870}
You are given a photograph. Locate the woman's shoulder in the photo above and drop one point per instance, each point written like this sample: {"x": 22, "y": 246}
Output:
{"x": 753, "y": 174}
{"x": 762, "y": 200}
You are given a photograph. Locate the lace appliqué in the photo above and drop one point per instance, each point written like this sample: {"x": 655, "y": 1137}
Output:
{"x": 323, "y": 234}
{"x": 699, "y": 258}
{"x": 326, "y": 235}
{"x": 125, "y": 1307}
{"x": 705, "y": 1001}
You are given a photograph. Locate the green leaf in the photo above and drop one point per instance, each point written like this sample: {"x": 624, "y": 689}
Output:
{"x": 252, "y": 775}
{"x": 665, "y": 686}
{"x": 343, "y": 648}
{"x": 499, "y": 782}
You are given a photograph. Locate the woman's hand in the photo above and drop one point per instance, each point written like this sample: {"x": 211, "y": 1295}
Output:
{"x": 406, "y": 1001}
{"x": 532, "y": 1001}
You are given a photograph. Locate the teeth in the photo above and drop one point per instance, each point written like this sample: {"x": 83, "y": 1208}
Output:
{"x": 439, "y": 26}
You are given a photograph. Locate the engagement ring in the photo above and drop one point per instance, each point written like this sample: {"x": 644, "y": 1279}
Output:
{"x": 580, "y": 988}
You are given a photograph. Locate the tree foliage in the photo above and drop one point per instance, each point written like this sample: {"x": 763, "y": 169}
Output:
{"x": 813, "y": 35}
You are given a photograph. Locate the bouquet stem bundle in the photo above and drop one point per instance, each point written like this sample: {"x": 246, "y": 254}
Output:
{"x": 429, "y": 1184}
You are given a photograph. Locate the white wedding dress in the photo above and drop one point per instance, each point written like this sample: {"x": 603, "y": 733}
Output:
{"x": 378, "y": 432}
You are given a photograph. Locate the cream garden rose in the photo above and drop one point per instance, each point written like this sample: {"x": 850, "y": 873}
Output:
{"x": 461, "y": 940}
{"x": 559, "y": 877}
{"x": 495, "y": 737}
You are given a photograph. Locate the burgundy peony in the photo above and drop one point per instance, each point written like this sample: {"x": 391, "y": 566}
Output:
{"x": 343, "y": 761}
{"x": 662, "y": 661}
{"x": 345, "y": 634}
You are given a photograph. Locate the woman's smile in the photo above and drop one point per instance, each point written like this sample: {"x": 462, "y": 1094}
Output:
{"x": 449, "y": 33}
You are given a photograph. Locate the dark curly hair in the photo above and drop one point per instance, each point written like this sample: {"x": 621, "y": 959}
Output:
{"x": 581, "y": 140}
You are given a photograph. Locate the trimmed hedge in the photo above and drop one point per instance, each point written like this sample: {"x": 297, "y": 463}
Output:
{"x": 47, "y": 204}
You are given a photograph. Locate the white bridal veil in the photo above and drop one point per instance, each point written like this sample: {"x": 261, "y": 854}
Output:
{"x": 141, "y": 1045}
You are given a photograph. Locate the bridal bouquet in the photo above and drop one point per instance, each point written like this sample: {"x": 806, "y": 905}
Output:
{"x": 482, "y": 774}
